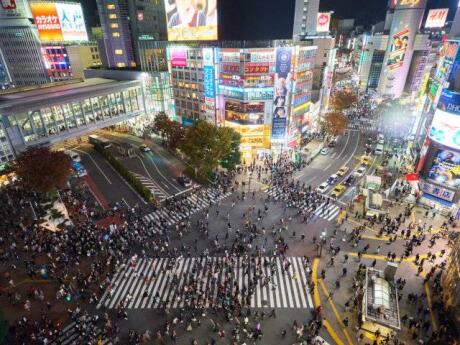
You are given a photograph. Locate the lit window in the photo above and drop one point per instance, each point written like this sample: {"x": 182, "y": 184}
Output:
{"x": 121, "y": 64}
{"x": 118, "y": 51}
{"x": 115, "y": 34}
{"x": 110, "y": 6}
{"x": 112, "y": 16}
{"x": 114, "y": 25}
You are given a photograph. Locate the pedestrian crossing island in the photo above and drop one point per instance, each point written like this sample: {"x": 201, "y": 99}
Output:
{"x": 164, "y": 282}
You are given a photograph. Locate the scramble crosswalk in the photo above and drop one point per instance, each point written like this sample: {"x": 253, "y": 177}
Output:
{"x": 328, "y": 211}
{"x": 194, "y": 202}
{"x": 158, "y": 192}
{"x": 137, "y": 285}
{"x": 72, "y": 335}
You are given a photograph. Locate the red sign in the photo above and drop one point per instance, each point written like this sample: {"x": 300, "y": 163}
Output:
{"x": 256, "y": 68}
{"x": 231, "y": 68}
{"x": 8, "y": 4}
{"x": 412, "y": 177}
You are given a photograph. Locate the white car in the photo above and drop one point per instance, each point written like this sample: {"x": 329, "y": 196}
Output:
{"x": 144, "y": 148}
{"x": 360, "y": 172}
{"x": 323, "y": 187}
{"x": 325, "y": 151}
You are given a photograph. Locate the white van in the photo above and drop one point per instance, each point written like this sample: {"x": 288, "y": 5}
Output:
{"x": 73, "y": 155}
{"x": 379, "y": 150}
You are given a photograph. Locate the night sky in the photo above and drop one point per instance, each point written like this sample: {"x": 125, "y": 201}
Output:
{"x": 273, "y": 19}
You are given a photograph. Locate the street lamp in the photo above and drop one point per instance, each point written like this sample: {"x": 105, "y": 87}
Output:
{"x": 322, "y": 241}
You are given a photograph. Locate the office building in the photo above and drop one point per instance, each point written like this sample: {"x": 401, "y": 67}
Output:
{"x": 21, "y": 62}
{"x": 83, "y": 56}
{"x": 305, "y": 18}
{"x": 57, "y": 62}
{"x": 127, "y": 22}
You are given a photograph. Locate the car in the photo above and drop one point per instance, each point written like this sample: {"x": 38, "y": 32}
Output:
{"x": 342, "y": 171}
{"x": 381, "y": 142}
{"x": 360, "y": 172}
{"x": 184, "y": 181}
{"x": 349, "y": 180}
{"x": 323, "y": 187}
{"x": 325, "y": 151}
{"x": 144, "y": 148}
{"x": 332, "y": 179}
{"x": 365, "y": 160}
{"x": 338, "y": 190}
{"x": 333, "y": 142}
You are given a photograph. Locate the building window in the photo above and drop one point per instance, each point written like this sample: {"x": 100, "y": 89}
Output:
{"x": 121, "y": 64}
{"x": 111, "y": 6}
{"x": 112, "y": 16}
{"x": 118, "y": 51}
{"x": 115, "y": 34}
{"x": 114, "y": 25}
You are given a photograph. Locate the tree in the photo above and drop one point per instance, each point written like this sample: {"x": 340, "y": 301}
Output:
{"x": 335, "y": 123}
{"x": 233, "y": 158}
{"x": 161, "y": 124}
{"x": 205, "y": 145}
{"x": 41, "y": 169}
{"x": 342, "y": 100}
{"x": 175, "y": 135}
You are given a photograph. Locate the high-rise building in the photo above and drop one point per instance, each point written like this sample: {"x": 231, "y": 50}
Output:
{"x": 83, "y": 56}
{"x": 125, "y": 23}
{"x": 305, "y": 18}
{"x": 21, "y": 61}
{"x": 405, "y": 24}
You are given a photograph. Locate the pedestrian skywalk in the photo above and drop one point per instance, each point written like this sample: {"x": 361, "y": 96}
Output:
{"x": 157, "y": 283}
{"x": 193, "y": 203}
{"x": 328, "y": 211}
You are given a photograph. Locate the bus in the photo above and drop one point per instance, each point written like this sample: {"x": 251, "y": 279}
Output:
{"x": 79, "y": 169}
{"x": 73, "y": 155}
{"x": 95, "y": 139}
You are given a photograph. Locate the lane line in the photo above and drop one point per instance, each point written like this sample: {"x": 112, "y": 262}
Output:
{"x": 95, "y": 163}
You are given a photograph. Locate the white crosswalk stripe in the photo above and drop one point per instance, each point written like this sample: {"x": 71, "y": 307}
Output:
{"x": 71, "y": 335}
{"x": 194, "y": 202}
{"x": 158, "y": 192}
{"x": 328, "y": 212}
{"x": 147, "y": 283}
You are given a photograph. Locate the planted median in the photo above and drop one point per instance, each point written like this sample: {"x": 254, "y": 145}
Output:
{"x": 129, "y": 177}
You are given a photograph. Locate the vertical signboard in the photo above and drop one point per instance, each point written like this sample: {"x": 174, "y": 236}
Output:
{"x": 323, "y": 21}
{"x": 209, "y": 81}
{"x": 283, "y": 81}
{"x": 399, "y": 43}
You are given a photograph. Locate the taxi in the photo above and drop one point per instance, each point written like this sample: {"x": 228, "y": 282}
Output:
{"x": 338, "y": 190}
{"x": 365, "y": 160}
{"x": 342, "y": 171}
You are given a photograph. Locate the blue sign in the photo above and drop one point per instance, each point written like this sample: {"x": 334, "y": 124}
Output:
{"x": 186, "y": 121}
{"x": 449, "y": 102}
{"x": 209, "y": 82}
{"x": 278, "y": 128}
{"x": 283, "y": 61}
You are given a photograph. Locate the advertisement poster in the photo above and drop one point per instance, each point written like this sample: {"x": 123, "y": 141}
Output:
{"x": 437, "y": 191}
{"x": 436, "y": 18}
{"x": 178, "y": 57}
{"x": 283, "y": 82}
{"x": 398, "y": 48}
{"x": 209, "y": 82}
{"x": 323, "y": 20}
{"x": 59, "y": 22}
{"x": 256, "y": 68}
{"x": 190, "y": 20}
{"x": 445, "y": 168}
{"x": 445, "y": 129}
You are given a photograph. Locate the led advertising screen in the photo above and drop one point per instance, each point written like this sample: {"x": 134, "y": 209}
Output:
{"x": 178, "y": 57}
{"x": 59, "y": 22}
{"x": 445, "y": 129}
{"x": 283, "y": 86}
{"x": 191, "y": 20}
{"x": 445, "y": 168}
{"x": 399, "y": 43}
{"x": 323, "y": 20}
{"x": 436, "y": 18}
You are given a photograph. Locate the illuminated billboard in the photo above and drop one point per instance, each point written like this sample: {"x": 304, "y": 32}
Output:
{"x": 178, "y": 57}
{"x": 436, "y": 18}
{"x": 59, "y": 22}
{"x": 399, "y": 43}
{"x": 445, "y": 168}
{"x": 323, "y": 20}
{"x": 445, "y": 129}
{"x": 191, "y": 20}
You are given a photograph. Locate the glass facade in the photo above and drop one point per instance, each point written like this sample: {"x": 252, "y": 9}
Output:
{"x": 376, "y": 68}
{"x": 50, "y": 121}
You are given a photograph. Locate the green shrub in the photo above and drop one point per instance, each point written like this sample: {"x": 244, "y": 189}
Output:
{"x": 143, "y": 191}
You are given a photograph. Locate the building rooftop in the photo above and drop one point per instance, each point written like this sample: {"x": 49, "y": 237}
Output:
{"x": 381, "y": 300}
{"x": 60, "y": 93}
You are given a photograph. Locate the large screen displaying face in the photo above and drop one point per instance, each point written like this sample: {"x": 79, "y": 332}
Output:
{"x": 445, "y": 168}
{"x": 191, "y": 20}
